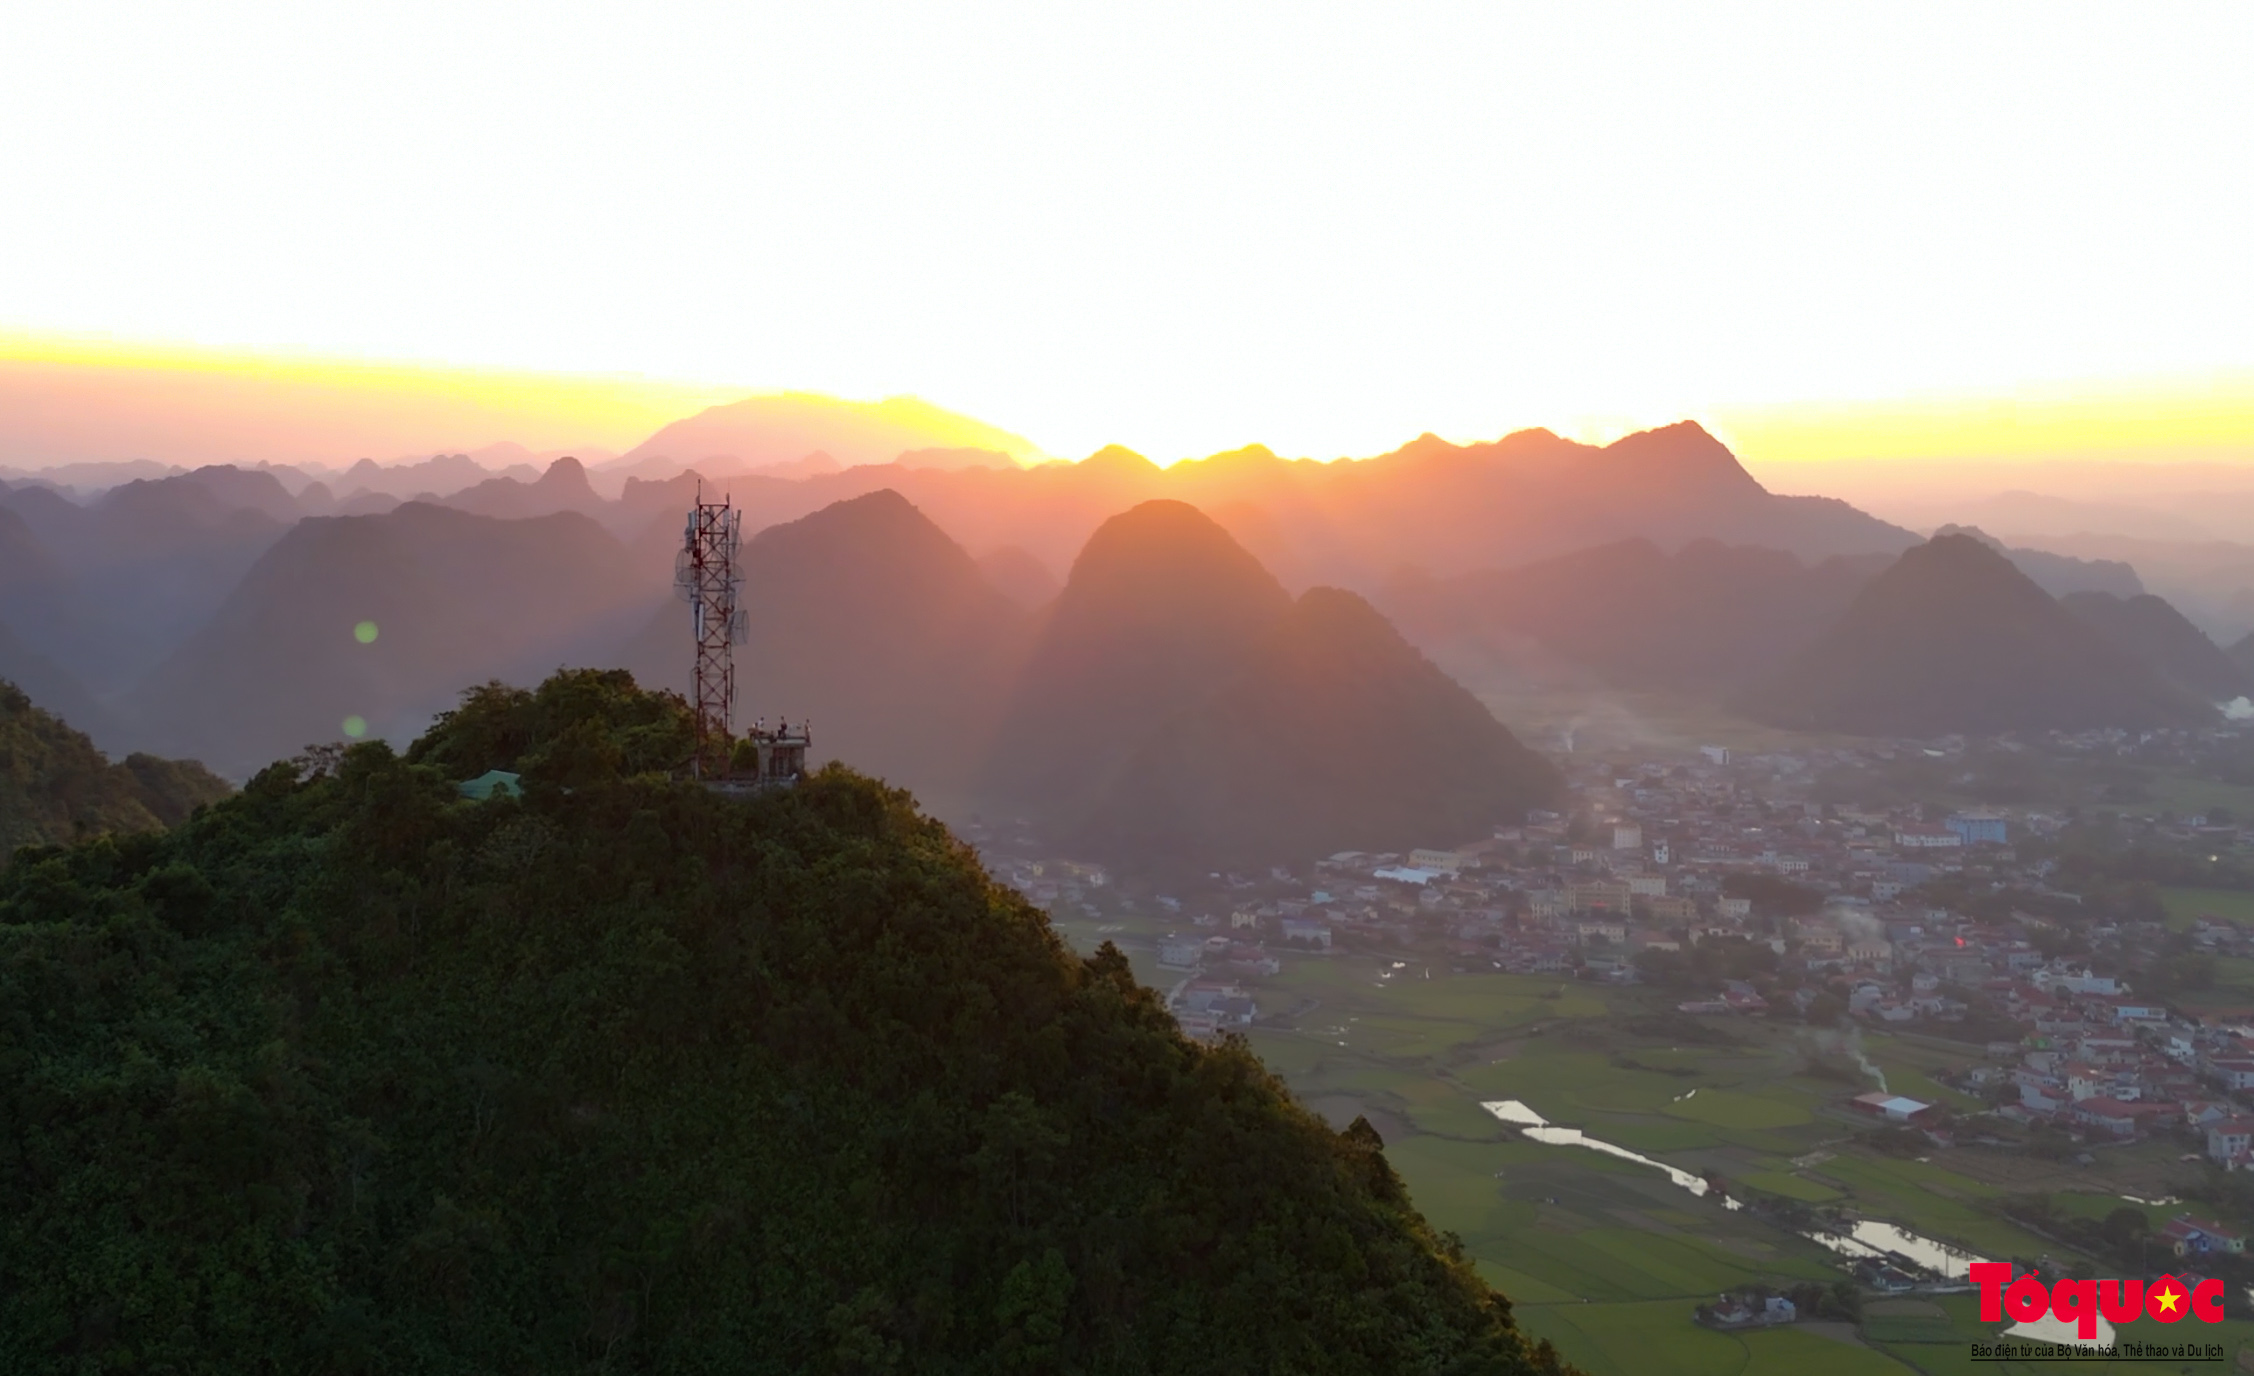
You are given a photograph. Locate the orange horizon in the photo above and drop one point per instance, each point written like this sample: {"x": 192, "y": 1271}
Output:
{"x": 91, "y": 399}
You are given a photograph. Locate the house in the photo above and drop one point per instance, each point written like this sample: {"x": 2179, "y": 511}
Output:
{"x": 1447, "y": 861}
{"x": 1405, "y": 874}
{"x": 1204, "y": 1027}
{"x": 2234, "y": 1073}
{"x": 1979, "y": 828}
{"x": 2229, "y": 1139}
{"x": 1732, "y": 1311}
{"x": 1734, "y": 909}
{"x": 1599, "y": 895}
{"x": 1177, "y": 952}
{"x": 2187, "y": 1236}
{"x": 2200, "y": 1113}
{"x": 1253, "y": 960}
{"x": 1818, "y": 938}
{"x": 1593, "y": 929}
{"x": 2116, "y": 1118}
{"x": 1306, "y": 931}
{"x": 1627, "y": 836}
{"x": 1917, "y": 836}
{"x": 1894, "y": 1108}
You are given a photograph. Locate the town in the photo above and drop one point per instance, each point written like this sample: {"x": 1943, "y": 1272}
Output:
{"x": 2055, "y": 984}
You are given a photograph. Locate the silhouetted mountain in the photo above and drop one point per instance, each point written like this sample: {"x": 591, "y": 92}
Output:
{"x": 138, "y": 569}
{"x": 785, "y": 427}
{"x": 867, "y": 619}
{"x": 454, "y": 598}
{"x": 242, "y": 489}
{"x": 2059, "y": 574}
{"x": 1335, "y": 735}
{"x": 1447, "y": 508}
{"x": 2157, "y": 635}
{"x": 564, "y": 487}
{"x": 1954, "y": 638}
{"x": 350, "y": 1074}
{"x": 56, "y": 788}
{"x": 54, "y": 688}
{"x": 2210, "y": 581}
{"x": 1707, "y": 616}
{"x": 956, "y": 459}
{"x": 27, "y": 565}
{"x": 1023, "y": 578}
{"x": 1160, "y": 609}
{"x": 1179, "y": 709}
{"x": 444, "y": 474}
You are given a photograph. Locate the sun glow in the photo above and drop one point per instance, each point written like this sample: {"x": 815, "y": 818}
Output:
{"x": 1179, "y": 228}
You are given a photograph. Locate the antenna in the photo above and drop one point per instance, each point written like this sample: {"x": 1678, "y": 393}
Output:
{"x": 705, "y": 574}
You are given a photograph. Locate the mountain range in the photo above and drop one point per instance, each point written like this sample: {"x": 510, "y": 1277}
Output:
{"x": 1954, "y": 638}
{"x": 209, "y": 613}
{"x": 448, "y": 598}
{"x": 2150, "y": 631}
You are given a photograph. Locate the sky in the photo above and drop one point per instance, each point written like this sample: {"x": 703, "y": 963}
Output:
{"x": 1829, "y": 231}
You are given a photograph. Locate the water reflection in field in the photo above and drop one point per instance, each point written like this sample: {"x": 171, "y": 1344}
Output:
{"x": 1863, "y": 1240}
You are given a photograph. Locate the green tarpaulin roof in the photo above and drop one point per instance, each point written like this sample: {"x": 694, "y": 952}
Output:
{"x": 484, "y": 785}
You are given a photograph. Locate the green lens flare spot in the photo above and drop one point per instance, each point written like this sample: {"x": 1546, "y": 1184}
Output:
{"x": 356, "y": 727}
{"x": 365, "y": 633}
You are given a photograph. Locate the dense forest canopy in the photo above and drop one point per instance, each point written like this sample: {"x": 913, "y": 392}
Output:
{"x": 351, "y": 1073}
{"x": 56, "y": 787}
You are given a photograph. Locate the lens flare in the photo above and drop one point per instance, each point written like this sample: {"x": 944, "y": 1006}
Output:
{"x": 365, "y": 633}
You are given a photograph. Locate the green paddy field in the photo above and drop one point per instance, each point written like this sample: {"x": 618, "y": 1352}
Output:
{"x": 1605, "y": 1257}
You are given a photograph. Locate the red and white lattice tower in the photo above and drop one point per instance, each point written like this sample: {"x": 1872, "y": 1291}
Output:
{"x": 706, "y": 575}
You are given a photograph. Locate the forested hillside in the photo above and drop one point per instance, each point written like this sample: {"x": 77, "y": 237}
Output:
{"x": 349, "y": 1073}
{"x": 56, "y": 787}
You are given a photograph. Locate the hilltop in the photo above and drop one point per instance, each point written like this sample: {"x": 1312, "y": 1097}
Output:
{"x": 1335, "y": 734}
{"x": 1179, "y": 708}
{"x": 1158, "y": 609}
{"x": 1954, "y": 638}
{"x": 867, "y": 619}
{"x": 624, "y": 1073}
{"x": 2154, "y": 633}
{"x": 788, "y": 426}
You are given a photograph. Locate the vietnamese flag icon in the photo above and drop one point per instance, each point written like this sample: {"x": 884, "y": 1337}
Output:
{"x": 2167, "y": 1300}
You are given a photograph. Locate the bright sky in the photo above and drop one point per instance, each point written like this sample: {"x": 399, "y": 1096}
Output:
{"x": 1179, "y": 227}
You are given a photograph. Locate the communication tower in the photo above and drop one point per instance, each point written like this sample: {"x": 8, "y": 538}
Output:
{"x": 706, "y": 575}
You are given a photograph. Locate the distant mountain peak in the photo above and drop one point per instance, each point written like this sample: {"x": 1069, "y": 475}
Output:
{"x": 781, "y": 427}
{"x": 1954, "y": 637}
{"x": 1969, "y": 533}
{"x": 1679, "y": 452}
{"x": 1118, "y": 458}
{"x": 566, "y": 474}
